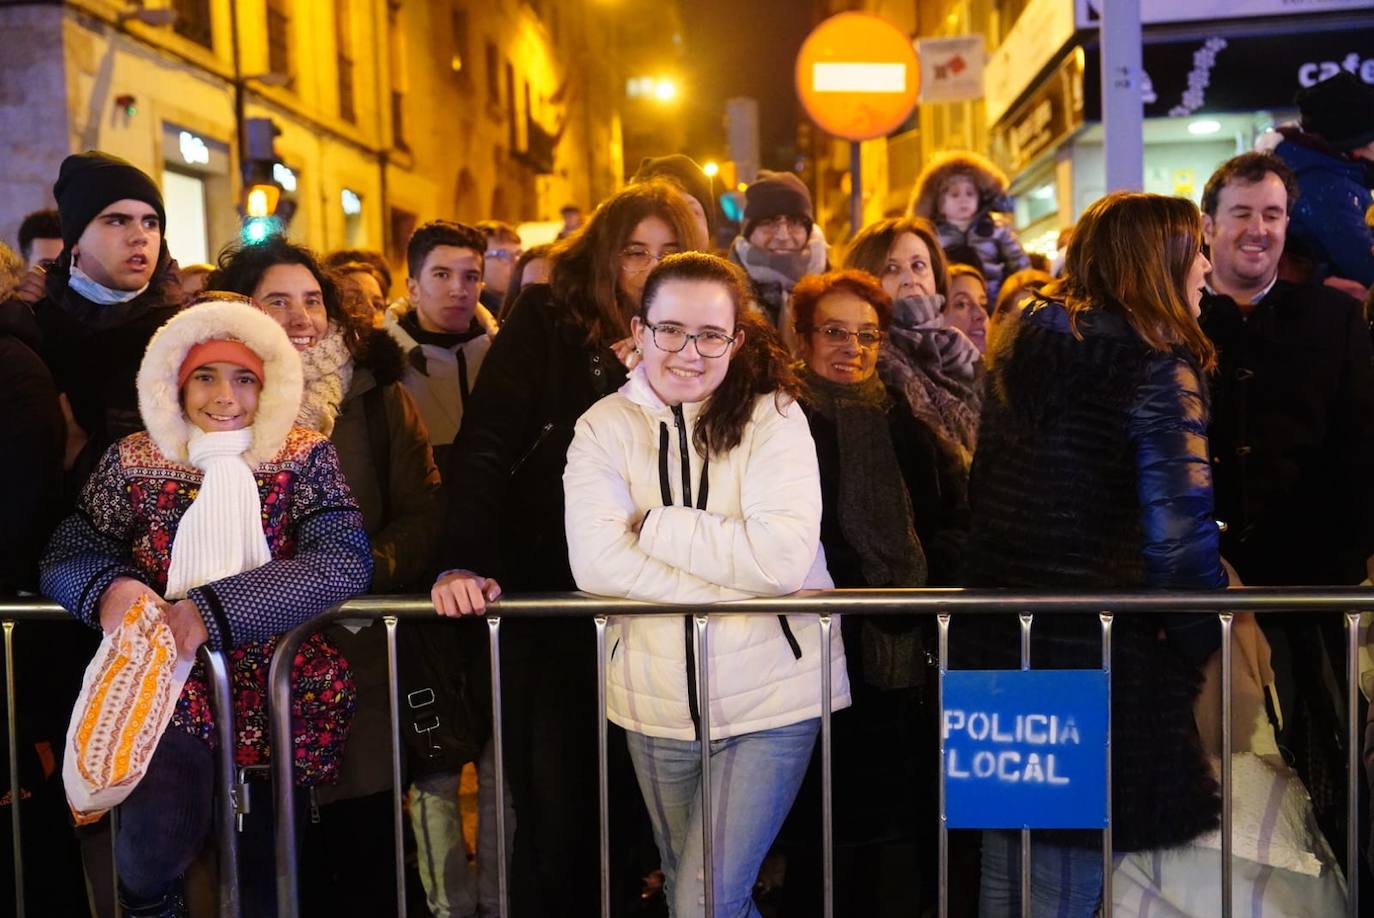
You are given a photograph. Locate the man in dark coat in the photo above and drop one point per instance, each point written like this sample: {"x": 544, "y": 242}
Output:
{"x": 1292, "y": 444}
{"x": 103, "y": 299}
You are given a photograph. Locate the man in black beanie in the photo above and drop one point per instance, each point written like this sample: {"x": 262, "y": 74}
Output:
{"x": 1332, "y": 153}
{"x": 104, "y": 298}
{"x": 779, "y": 244}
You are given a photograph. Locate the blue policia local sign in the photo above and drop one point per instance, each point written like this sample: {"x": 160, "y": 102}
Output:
{"x": 1025, "y": 748}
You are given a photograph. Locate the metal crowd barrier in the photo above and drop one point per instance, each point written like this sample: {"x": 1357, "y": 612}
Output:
{"x": 227, "y": 793}
{"x": 825, "y": 605}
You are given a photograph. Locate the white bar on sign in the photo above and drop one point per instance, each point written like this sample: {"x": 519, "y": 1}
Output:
{"x": 845, "y": 76}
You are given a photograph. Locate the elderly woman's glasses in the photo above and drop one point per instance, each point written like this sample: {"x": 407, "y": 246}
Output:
{"x": 673, "y": 338}
{"x": 868, "y": 338}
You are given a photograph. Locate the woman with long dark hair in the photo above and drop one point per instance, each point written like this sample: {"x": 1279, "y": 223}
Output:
{"x": 560, "y": 352}
{"x": 697, "y": 482}
{"x": 1092, "y": 473}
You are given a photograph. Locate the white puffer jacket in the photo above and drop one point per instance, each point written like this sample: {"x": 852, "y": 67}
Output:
{"x": 759, "y": 535}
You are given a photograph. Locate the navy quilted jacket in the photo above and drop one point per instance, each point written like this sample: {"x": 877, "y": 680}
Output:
{"x": 1328, "y": 222}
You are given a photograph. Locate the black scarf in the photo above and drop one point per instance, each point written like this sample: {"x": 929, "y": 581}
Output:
{"x": 879, "y": 528}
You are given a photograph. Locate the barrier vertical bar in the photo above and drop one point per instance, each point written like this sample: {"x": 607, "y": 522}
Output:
{"x": 942, "y": 882}
{"x": 1026, "y": 620}
{"x": 1107, "y": 866}
{"x": 1226, "y": 816}
{"x": 12, "y": 719}
{"x": 226, "y": 788}
{"x": 283, "y": 775}
{"x": 827, "y": 803}
{"x": 1352, "y": 763}
{"x": 603, "y": 783}
{"x": 707, "y": 820}
{"x": 502, "y": 879}
{"x": 393, "y": 692}
{"x": 114, "y": 861}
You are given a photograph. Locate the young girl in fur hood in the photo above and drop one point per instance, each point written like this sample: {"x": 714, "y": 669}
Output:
{"x": 238, "y": 524}
{"x": 962, "y": 194}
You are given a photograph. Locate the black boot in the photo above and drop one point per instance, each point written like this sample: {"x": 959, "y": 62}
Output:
{"x": 171, "y": 905}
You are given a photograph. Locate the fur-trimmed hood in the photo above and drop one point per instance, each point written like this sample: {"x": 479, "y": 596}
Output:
{"x": 990, "y": 181}
{"x": 159, "y": 398}
{"x": 380, "y": 353}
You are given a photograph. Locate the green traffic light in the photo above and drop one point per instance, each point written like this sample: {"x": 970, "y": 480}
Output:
{"x": 257, "y": 230}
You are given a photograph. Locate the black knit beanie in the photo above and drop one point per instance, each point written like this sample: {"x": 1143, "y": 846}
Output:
{"x": 776, "y": 194}
{"x": 1340, "y": 110}
{"x": 685, "y": 171}
{"x": 89, "y": 182}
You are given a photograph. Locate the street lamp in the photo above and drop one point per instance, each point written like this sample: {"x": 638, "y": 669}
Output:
{"x": 665, "y": 90}
{"x": 712, "y": 169}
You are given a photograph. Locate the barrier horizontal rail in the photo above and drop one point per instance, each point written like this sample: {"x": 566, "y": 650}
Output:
{"x": 944, "y": 603}
{"x": 28, "y": 610}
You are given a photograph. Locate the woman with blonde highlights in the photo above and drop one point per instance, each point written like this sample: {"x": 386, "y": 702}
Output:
{"x": 1092, "y": 474}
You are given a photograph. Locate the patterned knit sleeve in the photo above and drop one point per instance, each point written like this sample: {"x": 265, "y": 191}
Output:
{"x": 92, "y": 547}
{"x": 333, "y": 562}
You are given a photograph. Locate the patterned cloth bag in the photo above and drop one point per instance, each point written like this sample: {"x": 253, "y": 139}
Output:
{"x": 127, "y": 699}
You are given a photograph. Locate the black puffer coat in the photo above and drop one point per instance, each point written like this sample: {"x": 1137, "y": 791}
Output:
{"x": 1092, "y": 473}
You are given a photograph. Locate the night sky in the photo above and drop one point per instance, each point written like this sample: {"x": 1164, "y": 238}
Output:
{"x": 745, "y": 48}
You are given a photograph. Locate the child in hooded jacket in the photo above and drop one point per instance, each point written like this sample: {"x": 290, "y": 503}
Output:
{"x": 964, "y": 195}
{"x": 239, "y": 526}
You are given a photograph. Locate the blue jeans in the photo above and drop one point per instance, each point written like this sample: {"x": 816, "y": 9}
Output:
{"x": 1066, "y": 882}
{"x": 754, "y": 779}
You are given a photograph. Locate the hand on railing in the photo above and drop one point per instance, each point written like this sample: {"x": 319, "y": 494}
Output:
{"x": 460, "y": 592}
{"x": 119, "y": 597}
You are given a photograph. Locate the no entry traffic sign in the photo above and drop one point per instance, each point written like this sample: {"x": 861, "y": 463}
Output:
{"x": 858, "y": 76}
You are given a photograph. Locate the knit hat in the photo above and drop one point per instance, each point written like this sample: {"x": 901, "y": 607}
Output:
{"x": 1340, "y": 110}
{"x": 685, "y": 171}
{"x": 776, "y": 194}
{"x": 87, "y": 183}
{"x": 159, "y": 400}
{"x": 217, "y": 350}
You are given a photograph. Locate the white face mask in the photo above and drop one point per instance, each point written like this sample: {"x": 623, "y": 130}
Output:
{"x": 98, "y": 293}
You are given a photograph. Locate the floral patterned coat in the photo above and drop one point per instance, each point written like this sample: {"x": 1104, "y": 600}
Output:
{"x": 124, "y": 526}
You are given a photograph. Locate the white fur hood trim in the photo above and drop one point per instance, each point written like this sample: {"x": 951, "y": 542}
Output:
{"x": 159, "y": 400}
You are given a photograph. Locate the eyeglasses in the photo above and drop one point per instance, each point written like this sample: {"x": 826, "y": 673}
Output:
{"x": 504, "y": 254}
{"x": 637, "y": 260}
{"x": 673, "y": 338}
{"x": 868, "y": 338}
{"x": 783, "y": 222}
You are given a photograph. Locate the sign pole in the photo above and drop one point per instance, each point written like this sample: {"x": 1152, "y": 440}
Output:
{"x": 856, "y": 188}
{"x": 1123, "y": 106}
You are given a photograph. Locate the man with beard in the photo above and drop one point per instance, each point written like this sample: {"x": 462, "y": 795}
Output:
{"x": 779, "y": 244}
{"x": 1292, "y": 444}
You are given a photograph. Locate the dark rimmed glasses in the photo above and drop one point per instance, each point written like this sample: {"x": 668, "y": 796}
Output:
{"x": 673, "y": 338}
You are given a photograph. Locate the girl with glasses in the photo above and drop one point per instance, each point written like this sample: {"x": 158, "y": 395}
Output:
{"x": 697, "y": 482}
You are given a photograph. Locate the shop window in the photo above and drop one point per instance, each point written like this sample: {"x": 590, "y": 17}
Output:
{"x": 398, "y": 120}
{"x": 512, "y": 113}
{"x": 343, "y": 39}
{"x": 354, "y": 230}
{"x": 193, "y": 21}
{"x": 183, "y": 196}
{"x": 279, "y": 37}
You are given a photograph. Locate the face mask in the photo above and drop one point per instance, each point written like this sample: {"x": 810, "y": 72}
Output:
{"x": 99, "y": 293}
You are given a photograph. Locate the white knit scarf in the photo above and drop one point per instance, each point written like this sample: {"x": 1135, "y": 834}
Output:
{"x": 328, "y": 370}
{"x": 220, "y": 534}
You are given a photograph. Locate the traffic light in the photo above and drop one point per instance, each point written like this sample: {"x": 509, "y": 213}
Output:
{"x": 262, "y": 217}
{"x": 732, "y": 206}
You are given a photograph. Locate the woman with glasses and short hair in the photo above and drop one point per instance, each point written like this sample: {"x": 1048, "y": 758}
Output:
{"x": 561, "y": 351}
{"x": 697, "y": 483}
{"x": 894, "y": 515}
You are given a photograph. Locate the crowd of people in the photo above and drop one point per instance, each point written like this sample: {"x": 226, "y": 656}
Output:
{"x": 1183, "y": 400}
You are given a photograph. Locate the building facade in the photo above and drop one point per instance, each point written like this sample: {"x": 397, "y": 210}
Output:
{"x": 390, "y": 112}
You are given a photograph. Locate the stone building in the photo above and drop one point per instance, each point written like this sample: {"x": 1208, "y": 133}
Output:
{"x": 391, "y": 112}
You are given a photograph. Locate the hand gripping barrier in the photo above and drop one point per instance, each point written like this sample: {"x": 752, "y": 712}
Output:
{"x": 227, "y": 793}
{"x": 825, "y": 605}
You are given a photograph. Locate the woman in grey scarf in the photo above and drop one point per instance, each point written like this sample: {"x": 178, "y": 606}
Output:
{"x": 936, "y": 367}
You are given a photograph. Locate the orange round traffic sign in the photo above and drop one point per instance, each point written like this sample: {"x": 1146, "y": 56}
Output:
{"x": 858, "y": 76}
